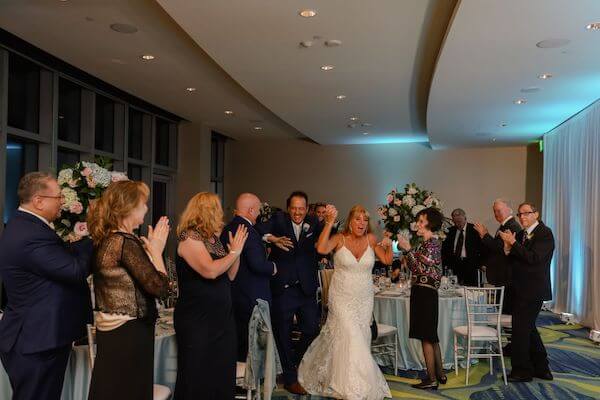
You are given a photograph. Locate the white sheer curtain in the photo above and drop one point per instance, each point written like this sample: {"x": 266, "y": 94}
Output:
{"x": 572, "y": 209}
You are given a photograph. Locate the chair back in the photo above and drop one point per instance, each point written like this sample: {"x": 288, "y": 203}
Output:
{"x": 91, "y": 336}
{"x": 484, "y": 306}
{"x": 325, "y": 276}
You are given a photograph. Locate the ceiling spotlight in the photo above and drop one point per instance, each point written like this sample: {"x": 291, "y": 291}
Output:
{"x": 191, "y": 89}
{"x": 552, "y": 43}
{"x": 340, "y": 96}
{"x": 494, "y": 139}
{"x": 595, "y": 26}
{"x": 147, "y": 57}
{"x": 327, "y": 67}
{"x": 503, "y": 124}
{"x": 365, "y": 133}
{"x": 257, "y": 128}
{"x": 333, "y": 43}
{"x": 228, "y": 112}
{"x": 520, "y": 101}
{"x": 353, "y": 118}
{"x": 545, "y": 76}
{"x": 307, "y": 13}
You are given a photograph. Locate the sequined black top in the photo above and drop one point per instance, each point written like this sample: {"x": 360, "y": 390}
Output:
{"x": 125, "y": 280}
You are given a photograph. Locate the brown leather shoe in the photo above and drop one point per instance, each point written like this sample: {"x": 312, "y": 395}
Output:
{"x": 295, "y": 388}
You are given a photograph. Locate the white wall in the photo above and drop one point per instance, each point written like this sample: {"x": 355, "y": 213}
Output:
{"x": 348, "y": 174}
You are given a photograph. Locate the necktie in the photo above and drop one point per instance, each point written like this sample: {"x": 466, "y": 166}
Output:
{"x": 524, "y": 238}
{"x": 459, "y": 244}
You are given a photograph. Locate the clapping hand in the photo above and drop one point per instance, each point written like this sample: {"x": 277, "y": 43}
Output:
{"x": 386, "y": 243}
{"x": 508, "y": 237}
{"x": 403, "y": 243}
{"x": 157, "y": 237}
{"x": 331, "y": 214}
{"x": 237, "y": 241}
{"x": 481, "y": 229}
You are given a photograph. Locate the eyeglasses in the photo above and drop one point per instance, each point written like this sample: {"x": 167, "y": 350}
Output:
{"x": 524, "y": 213}
{"x": 51, "y": 197}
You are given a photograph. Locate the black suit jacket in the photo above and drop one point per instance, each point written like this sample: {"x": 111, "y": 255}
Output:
{"x": 300, "y": 262}
{"x": 498, "y": 271}
{"x": 45, "y": 279}
{"x": 254, "y": 275}
{"x": 472, "y": 247}
{"x": 530, "y": 262}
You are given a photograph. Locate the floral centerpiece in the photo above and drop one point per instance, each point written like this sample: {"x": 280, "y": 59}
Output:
{"x": 266, "y": 212}
{"x": 398, "y": 215}
{"x": 81, "y": 184}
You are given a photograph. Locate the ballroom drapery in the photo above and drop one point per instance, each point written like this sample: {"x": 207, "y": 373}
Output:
{"x": 572, "y": 209}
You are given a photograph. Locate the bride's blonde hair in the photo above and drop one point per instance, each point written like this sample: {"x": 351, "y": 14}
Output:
{"x": 354, "y": 211}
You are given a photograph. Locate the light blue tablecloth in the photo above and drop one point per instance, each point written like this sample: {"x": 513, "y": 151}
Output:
{"x": 77, "y": 376}
{"x": 395, "y": 311}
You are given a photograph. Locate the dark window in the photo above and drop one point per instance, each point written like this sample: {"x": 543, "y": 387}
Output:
{"x": 134, "y": 172}
{"x": 217, "y": 164}
{"x": 69, "y": 111}
{"x": 162, "y": 142}
{"x": 159, "y": 200}
{"x": 23, "y": 94}
{"x": 136, "y": 134}
{"x": 105, "y": 124}
{"x": 66, "y": 157}
{"x": 21, "y": 158}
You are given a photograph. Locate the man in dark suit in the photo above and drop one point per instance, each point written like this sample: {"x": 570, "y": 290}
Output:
{"x": 48, "y": 297}
{"x": 461, "y": 250}
{"x": 253, "y": 279}
{"x": 294, "y": 286}
{"x": 496, "y": 263}
{"x": 530, "y": 253}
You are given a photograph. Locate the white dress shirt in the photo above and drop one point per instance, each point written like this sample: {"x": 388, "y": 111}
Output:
{"x": 463, "y": 251}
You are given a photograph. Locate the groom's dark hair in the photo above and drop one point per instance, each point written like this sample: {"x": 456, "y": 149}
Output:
{"x": 297, "y": 193}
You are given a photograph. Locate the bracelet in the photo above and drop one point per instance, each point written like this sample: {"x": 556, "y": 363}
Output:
{"x": 232, "y": 252}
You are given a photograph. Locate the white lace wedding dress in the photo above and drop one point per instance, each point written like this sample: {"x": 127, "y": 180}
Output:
{"x": 339, "y": 363}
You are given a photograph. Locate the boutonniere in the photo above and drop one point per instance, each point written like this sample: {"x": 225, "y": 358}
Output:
{"x": 529, "y": 236}
{"x": 305, "y": 227}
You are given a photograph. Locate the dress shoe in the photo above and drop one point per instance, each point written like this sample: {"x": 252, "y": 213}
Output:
{"x": 295, "y": 388}
{"x": 426, "y": 384}
{"x": 546, "y": 375}
{"x": 442, "y": 379}
{"x": 519, "y": 377}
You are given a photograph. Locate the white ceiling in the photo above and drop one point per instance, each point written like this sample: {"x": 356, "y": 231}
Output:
{"x": 490, "y": 54}
{"x": 79, "y": 33}
{"x": 257, "y": 43}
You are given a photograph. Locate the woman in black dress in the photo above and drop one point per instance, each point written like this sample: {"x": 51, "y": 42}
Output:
{"x": 204, "y": 322}
{"x": 425, "y": 263}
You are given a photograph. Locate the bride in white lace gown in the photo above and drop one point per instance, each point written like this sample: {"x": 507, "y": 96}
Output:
{"x": 339, "y": 363}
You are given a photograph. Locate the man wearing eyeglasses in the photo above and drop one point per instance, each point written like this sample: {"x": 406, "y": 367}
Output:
{"x": 530, "y": 252}
{"x": 48, "y": 297}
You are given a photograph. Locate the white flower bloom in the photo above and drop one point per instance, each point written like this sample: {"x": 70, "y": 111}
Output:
{"x": 409, "y": 201}
{"x": 100, "y": 176}
{"x": 398, "y": 202}
{"x": 118, "y": 176}
{"x": 64, "y": 176}
{"x": 415, "y": 210}
{"x": 429, "y": 201}
{"x": 70, "y": 196}
{"x": 412, "y": 190}
{"x": 392, "y": 212}
{"x": 397, "y": 218}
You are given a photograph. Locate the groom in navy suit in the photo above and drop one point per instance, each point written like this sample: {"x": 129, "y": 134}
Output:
{"x": 294, "y": 287}
{"x": 48, "y": 297}
{"x": 253, "y": 279}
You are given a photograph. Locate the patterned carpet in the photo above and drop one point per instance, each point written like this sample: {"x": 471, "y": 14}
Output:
{"x": 574, "y": 361}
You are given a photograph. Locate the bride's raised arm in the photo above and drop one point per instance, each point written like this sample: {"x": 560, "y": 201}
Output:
{"x": 326, "y": 244}
{"x": 383, "y": 249}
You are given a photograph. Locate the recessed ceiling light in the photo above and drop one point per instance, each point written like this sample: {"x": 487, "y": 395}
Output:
{"x": 530, "y": 89}
{"x": 365, "y": 133}
{"x": 307, "y": 13}
{"x": 353, "y": 118}
{"x": 228, "y": 112}
{"x": 503, "y": 124}
{"x": 333, "y": 43}
{"x": 545, "y": 76}
{"x": 258, "y": 128}
{"x": 494, "y": 139}
{"x": 552, "y": 43}
{"x": 595, "y": 26}
{"x": 340, "y": 96}
{"x": 520, "y": 101}
{"x": 147, "y": 57}
{"x": 327, "y": 67}
{"x": 191, "y": 89}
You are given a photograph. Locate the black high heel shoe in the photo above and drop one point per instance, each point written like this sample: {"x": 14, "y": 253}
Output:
{"x": 442, "y": 379}
{"x": 426, "y": 384}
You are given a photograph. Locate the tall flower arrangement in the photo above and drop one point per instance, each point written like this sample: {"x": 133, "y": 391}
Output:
{"x": 266, "y": 212}
{"x": 81, "y": 184}
{"x": 398, "y": 214}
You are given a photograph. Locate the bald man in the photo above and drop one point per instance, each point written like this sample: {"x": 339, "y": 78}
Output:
{"x": 253, "y": 278}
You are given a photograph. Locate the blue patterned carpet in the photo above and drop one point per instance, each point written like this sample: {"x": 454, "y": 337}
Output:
{"x": 574, "y": 361}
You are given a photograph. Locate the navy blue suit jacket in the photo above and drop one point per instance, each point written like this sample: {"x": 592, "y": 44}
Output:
{"x": 300, "y": 262}
{"x": 45, "y": 280}
{"x": 254, "y": 275}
